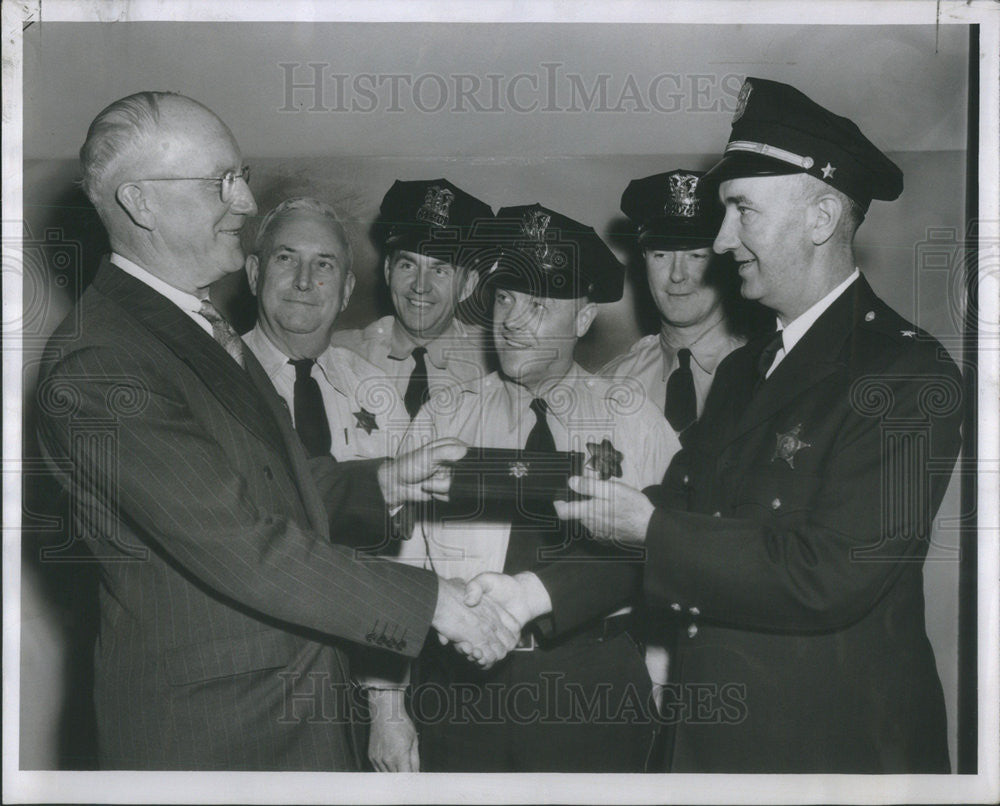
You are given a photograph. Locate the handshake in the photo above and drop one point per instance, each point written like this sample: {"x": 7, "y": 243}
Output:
{"x": 483, "y": 618}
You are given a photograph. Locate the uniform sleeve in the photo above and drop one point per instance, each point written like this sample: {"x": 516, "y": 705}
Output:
{"x": 179, "y": 492}
{"x": 582, "y": 587}
{"x": 828, "y": 567}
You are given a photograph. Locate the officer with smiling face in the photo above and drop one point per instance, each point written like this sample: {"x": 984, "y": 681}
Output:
{"x": 793, "y": 557}
{"x": 676, "y": 227}
{"x": 300, "y": 271}
{"x": 427, "y": 229}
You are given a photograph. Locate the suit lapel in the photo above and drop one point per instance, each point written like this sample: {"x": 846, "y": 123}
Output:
{"x": 817, "y": 355}
{"x": 311, "y": 499}
{"x": 230, "y": 384}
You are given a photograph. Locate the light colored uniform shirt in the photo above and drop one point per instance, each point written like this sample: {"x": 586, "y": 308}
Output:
{"x": 652, "y": 359}
{"x": 454, "y": 358}
{"x": 367, "y": 417}
{"x": 582, "y": 408}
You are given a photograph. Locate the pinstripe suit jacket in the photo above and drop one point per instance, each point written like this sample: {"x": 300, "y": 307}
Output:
{"x": 222, "y": 598}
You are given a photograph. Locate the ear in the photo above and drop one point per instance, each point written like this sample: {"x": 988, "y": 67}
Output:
{"x": 585, "y": 318}
{"x": 827, "y": 211}
{"x": 133, "y": 201}
{"x": 471, "y": 281}
{"x": 349, "y": 279}
{"x": 252, "y": 268}
{"x": 385, "y": 268}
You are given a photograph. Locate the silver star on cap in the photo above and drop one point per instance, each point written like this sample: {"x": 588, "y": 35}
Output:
{"x": 827, "y": 170}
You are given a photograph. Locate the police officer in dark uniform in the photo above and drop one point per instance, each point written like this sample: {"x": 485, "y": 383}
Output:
{"x": 819, "y": 464}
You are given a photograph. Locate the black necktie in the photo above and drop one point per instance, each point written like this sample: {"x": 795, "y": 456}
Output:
{"x": 767, "y": 357}
{"x": 681, "y": 407}
{"x": 530, "y": 530}
{"x": 416, "y": 390}
{"x": 310, "y": 415}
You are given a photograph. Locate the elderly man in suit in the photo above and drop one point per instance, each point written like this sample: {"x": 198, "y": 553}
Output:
{"x": 223, "y": 602}
{"x": 794, "y": 553}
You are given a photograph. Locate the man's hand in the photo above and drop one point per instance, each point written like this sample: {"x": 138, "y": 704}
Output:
{"x": 614, "y": 511}
{"x": 485, "y": 633}
{"x": 421, "y": 474}
{"x": 521, "y": 595}
{"x": 392, "y": 743}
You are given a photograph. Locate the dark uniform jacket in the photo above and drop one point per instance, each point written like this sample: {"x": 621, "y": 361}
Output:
{"x": 221, "y": 596}
{"x": 796, "y": 573}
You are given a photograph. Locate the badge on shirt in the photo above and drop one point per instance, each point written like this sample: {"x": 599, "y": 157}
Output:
{"x": 366, "y": 420}
{"x": 605, "y": 459}
{"x": 789, "y": 444}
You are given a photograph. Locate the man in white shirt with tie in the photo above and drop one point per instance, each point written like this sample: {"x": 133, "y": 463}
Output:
{"x": 300, "y": 271}
{"x": 527, "y": 713}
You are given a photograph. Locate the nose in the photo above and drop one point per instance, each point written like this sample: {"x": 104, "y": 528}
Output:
{"x": 243, "y": 202}
{"x": 420, "y": 280}
{"x": 726, "y": 240}
{"x": 303, "y": 277}
{"x": 678, "y": 268}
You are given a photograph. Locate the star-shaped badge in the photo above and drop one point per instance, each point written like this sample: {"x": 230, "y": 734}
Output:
{"x": 605, "y": 459}
{"x": 908, "y": 334}
{"x": 518, "y": 470}
{"x": 788, "y": 445}
{"x": 827, "y": 170}
{"x": 366, "y": 420}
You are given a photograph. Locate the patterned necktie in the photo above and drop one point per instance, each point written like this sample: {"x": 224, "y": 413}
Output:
{"x": 223, "y": 332}
{"x": 681, "y": 407}
{"x": 767, "y": 357}
{"x": 310, "y": 415}
{"x": 416, "y": 390}
{"x": 528, "y": 530}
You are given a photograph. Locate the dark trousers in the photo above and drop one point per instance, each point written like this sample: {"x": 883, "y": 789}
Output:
{"x": 581, "y": 706}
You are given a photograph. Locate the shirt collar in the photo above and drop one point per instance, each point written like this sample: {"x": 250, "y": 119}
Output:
{"x": 799, "y": 326}
{"x": 274, "y": 360}
{"x": 402, "y": 344}
{"x": 270, "y": 357}
{"x": 556, "y": 395}
{"x": 707, "y": 350}
{"x": 182, "y": 299}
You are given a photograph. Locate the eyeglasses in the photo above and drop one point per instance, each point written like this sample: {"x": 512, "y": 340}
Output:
{"x": 227, "y": 182}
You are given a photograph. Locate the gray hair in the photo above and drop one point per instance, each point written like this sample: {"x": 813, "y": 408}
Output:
{"x": 262, "y": 240}
{"x": 116, "y": 132}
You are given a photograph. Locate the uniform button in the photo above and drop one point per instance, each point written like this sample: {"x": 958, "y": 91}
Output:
{"x": 716, "y": 514}
{"x": 687, "y": 479}
{"x": 675, "y": 607}
{"x": 870, "y": 316}
{"x": 692, "y": 630}
{"x": 776, "y": 503}
{"x": 694, "y": 611}
{"x": 268, "y": 473}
